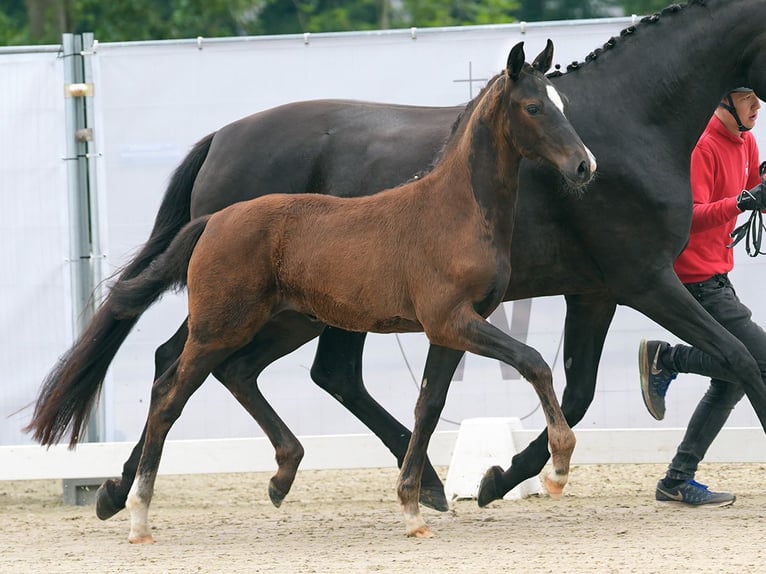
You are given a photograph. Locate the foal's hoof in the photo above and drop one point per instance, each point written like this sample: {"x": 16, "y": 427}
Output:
{"x": 434, "y": 498}
{"x": 488, "y": 488}
{"x": 421, "y": 532}
{"x": 276, "y": 495}
{"x": 554, "y": 486}
{"x": 106, "y": 505}
{"x": 145, "y": 539}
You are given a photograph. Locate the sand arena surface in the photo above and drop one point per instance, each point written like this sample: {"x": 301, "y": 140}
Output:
{"x": 348, "y": 521}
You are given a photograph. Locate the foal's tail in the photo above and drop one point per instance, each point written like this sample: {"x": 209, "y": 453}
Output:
{"x": 71, "y": 388}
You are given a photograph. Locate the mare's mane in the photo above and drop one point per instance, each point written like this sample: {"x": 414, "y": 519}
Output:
{"x": 614, "y": 40}
{"x": 574, "y": 66}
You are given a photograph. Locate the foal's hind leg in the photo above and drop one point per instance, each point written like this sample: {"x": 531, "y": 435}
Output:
{"x": 169, "y": 396}
{"x": 337, "y": 369}
{"x": 587, "y": 322}
{"x": 239, "y": 373}
{"x": 112, "y": 494}
{"x": 284, "y": 334}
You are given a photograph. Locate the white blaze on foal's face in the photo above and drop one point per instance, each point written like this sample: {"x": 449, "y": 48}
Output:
{"x": 555, "y": 97}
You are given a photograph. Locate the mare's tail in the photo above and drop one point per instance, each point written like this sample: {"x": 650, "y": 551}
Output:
{"x": 71, "y": 388}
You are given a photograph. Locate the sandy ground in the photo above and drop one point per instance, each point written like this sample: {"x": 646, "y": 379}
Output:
{"x": 349, "y": 521}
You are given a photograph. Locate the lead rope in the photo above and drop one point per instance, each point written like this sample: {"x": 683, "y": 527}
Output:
{"x": 457, "y": 423}
{"x": 752, "y": 229}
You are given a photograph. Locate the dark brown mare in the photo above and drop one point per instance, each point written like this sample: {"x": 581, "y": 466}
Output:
{"x": 383, "y": 263}
{"x": 640, "y": 102}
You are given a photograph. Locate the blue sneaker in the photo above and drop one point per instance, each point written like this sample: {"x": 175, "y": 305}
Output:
{"x": 654, "y": 379}
{"x": 694, "y": 494}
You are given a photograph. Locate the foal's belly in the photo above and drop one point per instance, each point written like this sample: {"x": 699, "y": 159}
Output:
{"x": 357, "y": 320}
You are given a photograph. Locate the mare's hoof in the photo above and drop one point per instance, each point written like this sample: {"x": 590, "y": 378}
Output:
{"x": 276, "y": 495}
{"x": 434, "y": 498}
{"x": 488, "y": 487}
{"x": 106, "y": 505}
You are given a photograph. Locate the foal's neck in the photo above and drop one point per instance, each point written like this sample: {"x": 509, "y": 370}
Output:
{"x": 481, "y": 161}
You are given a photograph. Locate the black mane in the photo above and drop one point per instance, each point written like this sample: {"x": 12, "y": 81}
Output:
{"x": 613, "y": 41}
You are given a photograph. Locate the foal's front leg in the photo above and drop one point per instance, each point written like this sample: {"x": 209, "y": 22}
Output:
{"x": 482, "y": 338}
{"x": 587, "y": 322}
{"x": 337, "y": 369}
{"x": 441, "y": 363}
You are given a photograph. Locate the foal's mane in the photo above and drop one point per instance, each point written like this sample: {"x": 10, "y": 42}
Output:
{"x": 464, "y": 113}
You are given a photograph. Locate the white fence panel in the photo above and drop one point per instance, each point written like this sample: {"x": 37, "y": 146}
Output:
{"x": 153, "y": 100}
{"x": 35, "y": 308}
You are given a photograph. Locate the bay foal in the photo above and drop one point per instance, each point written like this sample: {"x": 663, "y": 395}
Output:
{"x": 384, "y": 263}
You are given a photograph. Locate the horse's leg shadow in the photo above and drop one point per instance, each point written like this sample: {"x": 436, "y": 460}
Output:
{"x": 587, "y": 321}
{"x": 337, "y": 369}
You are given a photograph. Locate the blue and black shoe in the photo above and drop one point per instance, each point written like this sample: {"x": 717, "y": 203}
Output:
{"x": 655, "y": 380}
{"x": 693, "y": 493}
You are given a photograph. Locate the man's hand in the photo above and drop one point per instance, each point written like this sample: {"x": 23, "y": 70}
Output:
{"x": 753, "y": 199}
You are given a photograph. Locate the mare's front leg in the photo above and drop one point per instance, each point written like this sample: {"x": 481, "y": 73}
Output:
{"x": 587, "y": 321}
{"x": 665, "y": 300}
{"x": 337, "y": 369}
{"x": 441, "y": 363}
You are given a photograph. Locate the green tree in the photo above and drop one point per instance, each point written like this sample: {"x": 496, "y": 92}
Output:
{"x": 43, "y": 21}
{"x": 644, "y": 7}
{"x": 543, "y": 10}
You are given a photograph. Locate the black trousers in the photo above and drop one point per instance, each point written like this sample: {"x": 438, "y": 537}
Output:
{"x": 718, "y": 297}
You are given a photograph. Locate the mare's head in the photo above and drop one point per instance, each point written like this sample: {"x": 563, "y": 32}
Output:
{"x": 536, "y": 124}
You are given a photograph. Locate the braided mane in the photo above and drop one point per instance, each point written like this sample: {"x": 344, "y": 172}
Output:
{"x": 614, "y": 40}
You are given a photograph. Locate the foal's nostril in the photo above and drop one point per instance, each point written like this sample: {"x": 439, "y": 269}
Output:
{"x": 583, "y": 170}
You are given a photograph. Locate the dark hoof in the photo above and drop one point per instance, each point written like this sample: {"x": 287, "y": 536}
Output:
{"x": 276, "y": 495}
{"x": 489, "y": 488}
{"x": 433, "y": 497}
{"x": 106, "y": 502}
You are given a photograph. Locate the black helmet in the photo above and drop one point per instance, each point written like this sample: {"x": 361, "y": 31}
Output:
{"x": 729, "y": 107}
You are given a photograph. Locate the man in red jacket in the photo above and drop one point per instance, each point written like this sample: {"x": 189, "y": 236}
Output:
{"x": 725, "y": 182}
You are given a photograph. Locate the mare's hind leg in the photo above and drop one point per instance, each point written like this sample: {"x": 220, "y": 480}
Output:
{"x": 587, "y": 321}
{"x": 337, "y": 369}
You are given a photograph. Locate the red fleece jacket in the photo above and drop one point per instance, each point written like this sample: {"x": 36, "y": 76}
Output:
{"x": 722, "y": 165}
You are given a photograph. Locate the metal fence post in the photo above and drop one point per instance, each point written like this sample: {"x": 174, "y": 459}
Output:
{"x": 85, "y": 256}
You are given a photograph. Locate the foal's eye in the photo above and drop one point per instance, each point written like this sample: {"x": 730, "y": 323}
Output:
{"x": 533, "y": 109}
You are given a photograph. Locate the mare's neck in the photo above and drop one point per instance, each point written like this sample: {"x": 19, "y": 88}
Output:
{"x": 670, "y": 74}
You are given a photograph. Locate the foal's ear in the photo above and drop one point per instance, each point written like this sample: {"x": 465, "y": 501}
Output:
{"x": 544, "y": 59}
{"x": 515, "y": 61}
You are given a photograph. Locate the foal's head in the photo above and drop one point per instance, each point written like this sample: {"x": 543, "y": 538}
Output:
{"x": 535, "y": 121}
